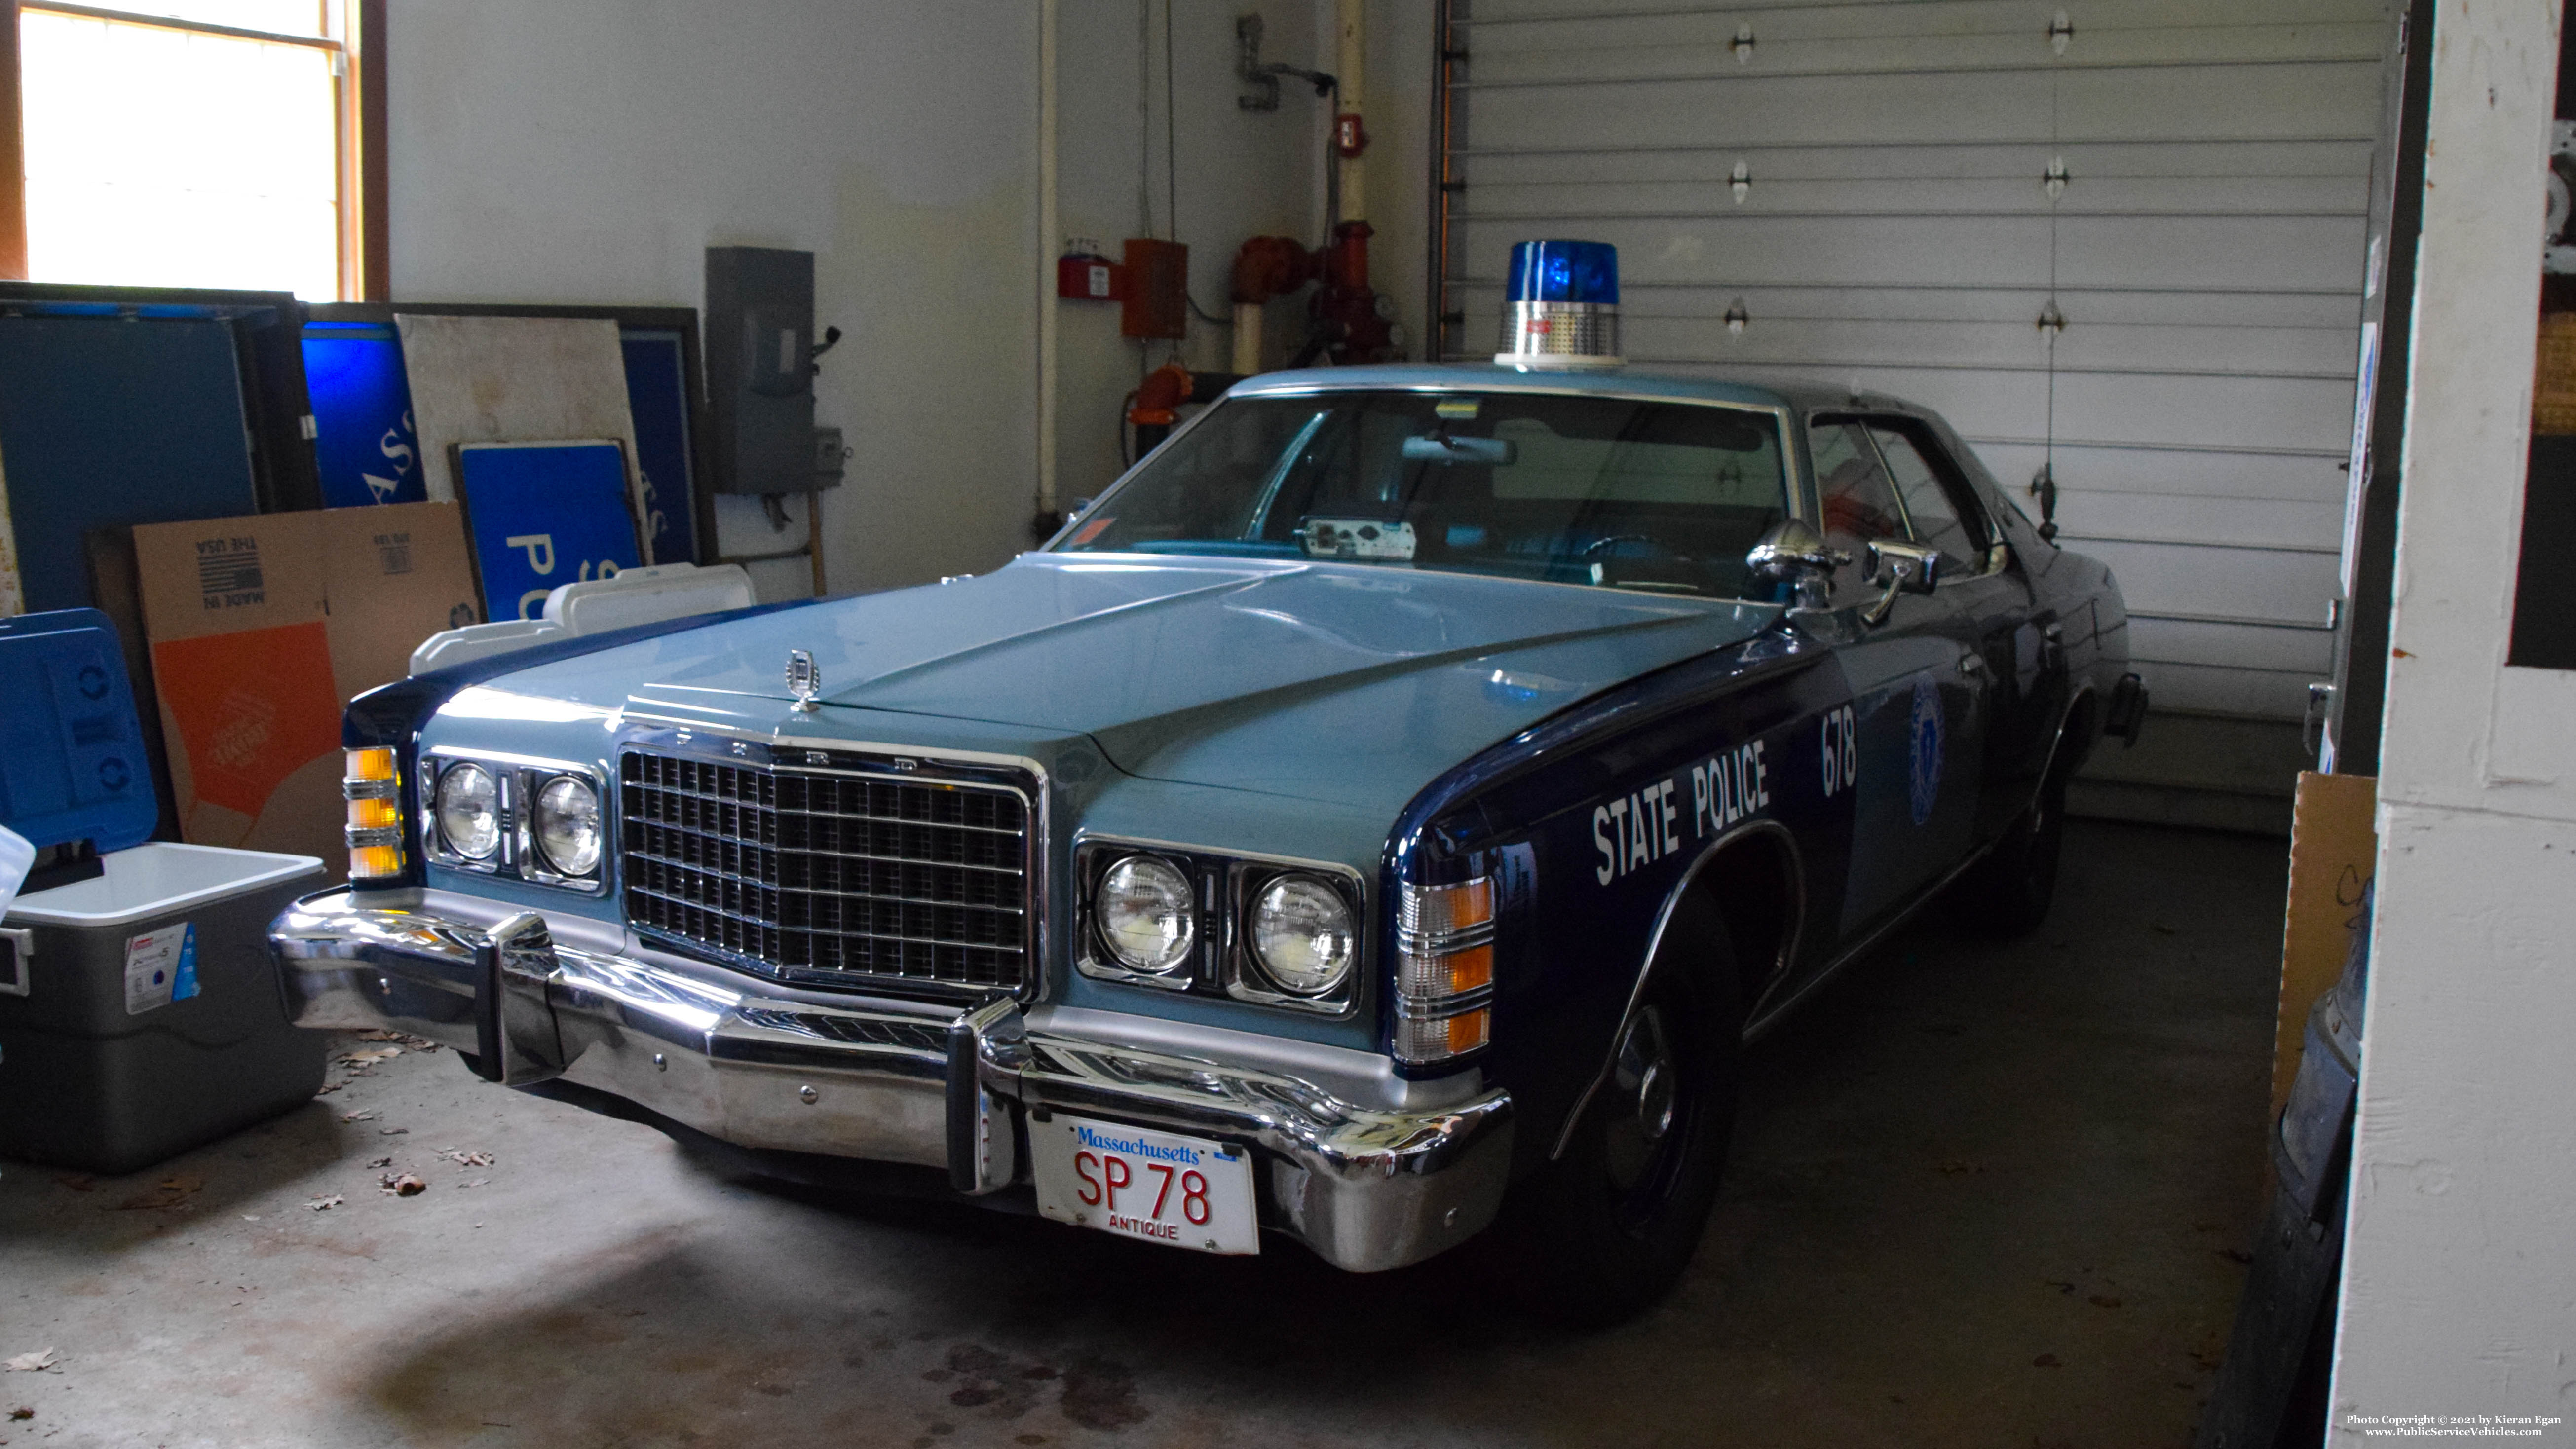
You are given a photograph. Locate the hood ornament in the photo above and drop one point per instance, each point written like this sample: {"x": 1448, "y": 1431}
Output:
{"x": 804, "y": 681}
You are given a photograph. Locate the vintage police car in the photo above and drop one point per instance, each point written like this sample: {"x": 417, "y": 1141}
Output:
{"x": 1388, "y": 807}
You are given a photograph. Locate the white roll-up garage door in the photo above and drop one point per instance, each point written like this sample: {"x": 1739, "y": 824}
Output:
{"x": 1867, "y": 188}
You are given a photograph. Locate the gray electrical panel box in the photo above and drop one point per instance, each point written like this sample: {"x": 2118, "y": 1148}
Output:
{"x": 760, "y": 368}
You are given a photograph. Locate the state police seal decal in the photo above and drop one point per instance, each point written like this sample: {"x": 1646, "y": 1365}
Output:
{"x": 1923, "y": 748}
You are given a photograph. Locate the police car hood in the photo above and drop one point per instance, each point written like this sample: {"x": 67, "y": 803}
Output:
{"x": 1351, "y": 683}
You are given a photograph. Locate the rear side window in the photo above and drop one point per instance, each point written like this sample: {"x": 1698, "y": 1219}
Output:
{"x": 1859, "y": 502}
{"x": 1941, "y": 516}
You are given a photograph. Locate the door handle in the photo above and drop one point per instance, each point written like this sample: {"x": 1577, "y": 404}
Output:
{"x": 1972, "y": 665}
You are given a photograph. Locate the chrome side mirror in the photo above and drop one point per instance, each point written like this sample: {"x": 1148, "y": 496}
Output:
{"x": 1901, "y": 568}
{"x": 1794, "y": 555}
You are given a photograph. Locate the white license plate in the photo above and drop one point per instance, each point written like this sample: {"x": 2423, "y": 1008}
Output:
{"x": 1186, "y": 1192}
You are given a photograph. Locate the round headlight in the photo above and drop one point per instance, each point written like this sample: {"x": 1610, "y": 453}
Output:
{"x": 469, "y": 811}
{"x": 568, "y": 824}
{"x": 1143, "y": 907}
{"x": 1303, "y": 934}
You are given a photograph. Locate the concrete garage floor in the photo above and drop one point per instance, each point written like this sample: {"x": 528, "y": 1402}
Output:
{"x": 1980, "y": 1197}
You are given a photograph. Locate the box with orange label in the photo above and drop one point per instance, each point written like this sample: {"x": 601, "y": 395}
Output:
{"x": 262, "y": 629}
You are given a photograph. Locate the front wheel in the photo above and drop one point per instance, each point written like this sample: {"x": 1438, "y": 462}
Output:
{"x": 1604, "y": 1231}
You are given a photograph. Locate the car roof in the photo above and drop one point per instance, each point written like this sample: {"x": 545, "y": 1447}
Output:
{"x": 1742, "y": 388}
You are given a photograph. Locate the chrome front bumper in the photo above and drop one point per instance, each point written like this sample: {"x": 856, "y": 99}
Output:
{"x": 1368, "y": 1170}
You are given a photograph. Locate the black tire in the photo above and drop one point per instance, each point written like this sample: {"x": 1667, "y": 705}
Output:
{"x": 2007, "y": 894}
{"x": 1603, "y": 1232}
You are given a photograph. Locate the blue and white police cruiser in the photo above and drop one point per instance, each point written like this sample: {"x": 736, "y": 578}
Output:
{"x": 1383, "y": 812}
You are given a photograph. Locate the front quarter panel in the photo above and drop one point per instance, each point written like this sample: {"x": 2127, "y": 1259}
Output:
{"x": 1594, "y": 821}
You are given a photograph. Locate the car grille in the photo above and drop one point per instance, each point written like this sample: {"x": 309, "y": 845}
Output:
{"x": 821, "y": 876}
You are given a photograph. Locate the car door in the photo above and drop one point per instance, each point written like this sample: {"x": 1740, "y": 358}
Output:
{"x": 2012, "y": 660}
{"x": 1915, "y": 716}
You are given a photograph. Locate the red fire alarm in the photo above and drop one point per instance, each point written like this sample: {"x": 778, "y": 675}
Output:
{"x": 1350, "y": 138}
{"x": 1085, "y": 277}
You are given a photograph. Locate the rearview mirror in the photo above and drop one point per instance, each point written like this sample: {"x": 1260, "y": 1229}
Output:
{"x": 1492, "y": 452}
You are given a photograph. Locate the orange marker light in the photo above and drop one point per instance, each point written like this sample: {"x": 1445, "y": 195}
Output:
{"x": 1469, "y": 1031}
{"x": 1470, "y": 969}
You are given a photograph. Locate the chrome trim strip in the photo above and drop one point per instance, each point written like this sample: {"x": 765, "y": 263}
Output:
{"x": 1443, "y": 943}
{"x": 1370, "y": 1171}
{"x": 1440, "y": 1008}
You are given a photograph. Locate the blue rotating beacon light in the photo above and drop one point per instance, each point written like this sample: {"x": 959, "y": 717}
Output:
{"x": 1561, "y": 305}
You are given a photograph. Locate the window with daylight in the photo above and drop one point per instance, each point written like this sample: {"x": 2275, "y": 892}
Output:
{"x": 199, "y": 143}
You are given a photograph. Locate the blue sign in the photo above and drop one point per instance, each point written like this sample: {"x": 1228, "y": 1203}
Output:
{"x": 543, "y": 514}
{"x": 657, "y": 396}
{"x": 363, "y": 438}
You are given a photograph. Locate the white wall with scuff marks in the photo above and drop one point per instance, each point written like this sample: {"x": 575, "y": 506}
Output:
{"x": 588, "y": 151}
{"x": 2459, "y": 1291}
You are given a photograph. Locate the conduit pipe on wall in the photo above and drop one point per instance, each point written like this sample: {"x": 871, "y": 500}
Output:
{"x": 1046, "y": 517}
{"x": 1352, "y": 25}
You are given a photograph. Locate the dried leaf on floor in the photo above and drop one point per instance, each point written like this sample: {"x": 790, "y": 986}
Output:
{"x": 29, "y": 1363}
{"x": 366, "y": 1055}
{"x": 2046, "y": 1360}
{"x": 170, "y": 1192}
{"x": 2103, "y": 1300}
{"x": 403, "y": 1184}
{"x": 327, "y": 1088}
{"x": 22, "y": 1412}
{"x": 2060, "y": 1284}
{"x": 363, "y": 1114}
{"x": 325, "y": 1204}
{"x": 468, "y": 1159}
{"x": 393, "y": 1131}
{"x": 479, "y": 1182}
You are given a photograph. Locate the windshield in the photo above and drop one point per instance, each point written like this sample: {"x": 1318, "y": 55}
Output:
{"x": 1563, "y": 487}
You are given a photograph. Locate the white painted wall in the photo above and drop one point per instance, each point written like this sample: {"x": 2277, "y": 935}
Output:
{"x": 1240, "y": 174}
{"x": 588, "y": 151}
{"x": 2459, "y": 1293}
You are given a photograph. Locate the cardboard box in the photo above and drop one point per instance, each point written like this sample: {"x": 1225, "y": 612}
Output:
{"x": 262, "y": 629}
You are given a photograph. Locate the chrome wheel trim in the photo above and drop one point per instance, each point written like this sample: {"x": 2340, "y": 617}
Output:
{"x": 1646, "y": 1080}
